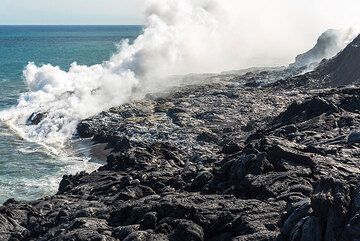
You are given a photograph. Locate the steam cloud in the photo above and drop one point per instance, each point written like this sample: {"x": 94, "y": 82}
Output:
{"x": 180, "y": 36}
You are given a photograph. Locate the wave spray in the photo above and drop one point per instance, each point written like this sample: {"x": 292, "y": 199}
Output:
{"x": 179, "y": 37}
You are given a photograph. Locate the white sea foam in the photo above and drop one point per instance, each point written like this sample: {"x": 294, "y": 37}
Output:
{"x": 28, "y": 188}
{"x": 179, "y": 37}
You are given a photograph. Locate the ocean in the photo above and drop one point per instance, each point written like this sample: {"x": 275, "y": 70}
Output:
{"x": 27, "y": 169}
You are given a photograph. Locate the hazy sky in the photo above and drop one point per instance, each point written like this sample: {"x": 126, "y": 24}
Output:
{"x": 306, "y": 13}
{"x": 71, "y": 12}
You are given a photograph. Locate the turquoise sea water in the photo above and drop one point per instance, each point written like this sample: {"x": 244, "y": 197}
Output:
{"x": 27, "y": 171}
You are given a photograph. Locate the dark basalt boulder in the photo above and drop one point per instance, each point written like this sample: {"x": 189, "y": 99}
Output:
{"x": 351, "y": 104}
{"x": 352, "y": 231}
{"x": 85, "y": 130}
{"x": 354, "y": 137}
{"x": 230, "y": 147}
{"x": 36, "y": 118}
{"x": 186, "y": 230}
{"x": 198, "y": 164}
{"x": 201, "y": 180}
{"x": 300, "y": 112}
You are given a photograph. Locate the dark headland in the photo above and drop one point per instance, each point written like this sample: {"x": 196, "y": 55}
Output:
{"x": 235, "y": 158}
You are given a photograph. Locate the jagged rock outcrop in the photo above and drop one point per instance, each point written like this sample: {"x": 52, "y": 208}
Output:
{"x": 35, "y": 118}
{"x": 330, "y": 43}
{"x": 212, "y": 162}
{"x": 342, "y": 70}
{"x": 219, "y": 161}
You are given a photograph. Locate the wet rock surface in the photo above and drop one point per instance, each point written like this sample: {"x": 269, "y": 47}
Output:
{"x": 218, "y": 161}
{"x": 35, "y": 118}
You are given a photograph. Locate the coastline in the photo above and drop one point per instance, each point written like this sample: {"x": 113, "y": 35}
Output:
{"x": 239, "y": 158}
{"x": 254, "y": 170}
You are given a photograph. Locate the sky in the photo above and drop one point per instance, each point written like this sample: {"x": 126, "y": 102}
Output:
{"x": 71, "y": 12}
{"x": 132, "y": 11}
{"x": 256, "y": 30}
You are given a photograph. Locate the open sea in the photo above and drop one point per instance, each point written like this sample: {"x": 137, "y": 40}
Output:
{"x": 27, "y": 170}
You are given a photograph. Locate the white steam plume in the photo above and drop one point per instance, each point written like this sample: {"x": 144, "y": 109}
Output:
{"x": 180, "y": 36}
{"x": 68, "y": 97}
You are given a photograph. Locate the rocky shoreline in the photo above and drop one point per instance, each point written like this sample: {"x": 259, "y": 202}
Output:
{"x": 226, "y": 160}
{"x": 211, "y": 162}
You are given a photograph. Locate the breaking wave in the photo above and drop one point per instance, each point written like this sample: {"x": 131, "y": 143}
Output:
{"x": 179, "y": 37}
{"x": 66, "y": 97}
